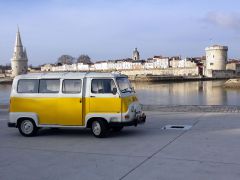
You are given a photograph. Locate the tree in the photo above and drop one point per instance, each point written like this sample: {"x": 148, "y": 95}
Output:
{"x": 85, "y": 59}
{"x": 65, "y": 59}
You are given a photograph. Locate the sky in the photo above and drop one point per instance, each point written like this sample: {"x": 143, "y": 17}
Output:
{"x": 111, "y": 29}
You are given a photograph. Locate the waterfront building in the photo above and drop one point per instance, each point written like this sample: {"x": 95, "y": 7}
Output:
{"x": 138, "y": 64}
{"x": 183, "y": 63}
{"x": 161, "y": 62}
{"x": 136, "y": 55}
{"x": 47, "y": 67}
{"x": 234, "y": 65}
{"x": 152, "y": 63}
{"x": 101, "y": 65}
{"x": 83, "y": 67}
{"x": 149, "y": 64}
{"x": 69, "y": 67}
{"x": 19, "y": 61}
{"x": 124, "y": 64}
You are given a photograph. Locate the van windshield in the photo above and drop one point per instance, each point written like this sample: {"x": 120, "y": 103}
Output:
{"x": 124, "y": 85}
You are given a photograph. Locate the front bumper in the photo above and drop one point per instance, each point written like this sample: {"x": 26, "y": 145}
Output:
{"x": 139, "y": 119}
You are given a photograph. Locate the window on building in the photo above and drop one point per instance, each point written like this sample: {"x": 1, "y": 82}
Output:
{"x": 49, "y": 86}
{"x": 211, "y": 64}
{"x": 102, "y": 86}
{"x": 28, "y": 86}
{"x": 72, "y": 86}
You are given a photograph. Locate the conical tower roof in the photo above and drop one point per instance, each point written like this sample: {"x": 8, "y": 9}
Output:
{"x": 18, "y": 42}
{"x": 18, "y": 53}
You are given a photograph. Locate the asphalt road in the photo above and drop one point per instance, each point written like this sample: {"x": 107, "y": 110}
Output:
{"x": 209, "y": 150}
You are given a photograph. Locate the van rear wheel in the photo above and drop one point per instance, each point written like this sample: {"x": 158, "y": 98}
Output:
{"x": 100, "y": 128}
{"x": 27, "y": 128}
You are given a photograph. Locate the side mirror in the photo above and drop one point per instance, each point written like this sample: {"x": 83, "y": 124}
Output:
{"x": 114, "y": 91}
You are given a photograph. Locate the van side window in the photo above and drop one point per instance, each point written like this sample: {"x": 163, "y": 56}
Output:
{"x": 102, "y": 86}
{"x": 27, "y": 86}
{"x": 72, "y": 86}
{"x": 49, "y": 86}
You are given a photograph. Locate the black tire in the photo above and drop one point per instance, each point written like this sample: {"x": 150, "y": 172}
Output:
{"x": 99, "y": 128}
{"x": 117, "y": 128}
{"x": 27, "y": 128}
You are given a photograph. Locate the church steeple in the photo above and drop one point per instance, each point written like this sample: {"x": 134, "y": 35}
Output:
{"x": 135, "y": 55}
{"x": 19, "y": 59}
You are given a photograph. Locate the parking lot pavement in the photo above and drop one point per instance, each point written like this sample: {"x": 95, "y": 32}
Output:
{"x": 3, "y": 114}
{"x": 209, "y": 150}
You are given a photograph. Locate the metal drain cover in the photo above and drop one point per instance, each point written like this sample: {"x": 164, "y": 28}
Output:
{"x": 177, "y": 127}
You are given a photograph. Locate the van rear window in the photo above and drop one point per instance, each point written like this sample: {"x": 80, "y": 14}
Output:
{"x": 27, "y": 86}
{"x": 49, "y": 86}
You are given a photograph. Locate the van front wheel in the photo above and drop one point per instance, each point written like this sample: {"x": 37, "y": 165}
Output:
{"x": 100, "y": 128}
{"x": 27, "y": 128}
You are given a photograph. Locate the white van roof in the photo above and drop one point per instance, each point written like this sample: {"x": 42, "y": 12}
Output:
{"x": 67, "y": 75}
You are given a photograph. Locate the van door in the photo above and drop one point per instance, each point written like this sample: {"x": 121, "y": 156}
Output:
{"x": 70, "y": 103}
{"x": 46, "y": 103}
{"x": 102, "y": 99}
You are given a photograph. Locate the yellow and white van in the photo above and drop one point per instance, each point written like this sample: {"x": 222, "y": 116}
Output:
{"x": 100, "y": 101}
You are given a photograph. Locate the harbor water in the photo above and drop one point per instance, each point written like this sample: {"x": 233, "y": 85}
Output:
{"x": 172, "y": 93}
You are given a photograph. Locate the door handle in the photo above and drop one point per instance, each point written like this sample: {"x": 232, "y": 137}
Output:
{"x": 80, "y": 101}
{"x": 92, "y": 96}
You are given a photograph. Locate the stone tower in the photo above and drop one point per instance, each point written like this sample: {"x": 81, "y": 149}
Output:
{"x": 135, "y": 55}
{"x": 216, "y": 57}
{"x": 19, "y": 61}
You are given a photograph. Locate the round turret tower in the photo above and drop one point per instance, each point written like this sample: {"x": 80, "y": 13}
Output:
{"x": 19, "y": 61}
{"x": 216, "y": 57}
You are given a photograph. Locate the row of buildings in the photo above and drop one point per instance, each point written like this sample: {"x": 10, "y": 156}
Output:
{"x": 214, "y": 64}
{"x": 157, "y": 62}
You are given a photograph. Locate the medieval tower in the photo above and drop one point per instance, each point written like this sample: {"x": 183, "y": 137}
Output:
{"x": 19, "y": 61}
{"x": 216, "y": 58}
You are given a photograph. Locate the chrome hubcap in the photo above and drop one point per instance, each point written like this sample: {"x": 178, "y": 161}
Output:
{"x": 96, "y": 128}
{"x": 27, "y": 127}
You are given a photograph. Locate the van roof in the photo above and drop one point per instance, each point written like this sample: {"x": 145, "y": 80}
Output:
{"x": 67, "y": 75}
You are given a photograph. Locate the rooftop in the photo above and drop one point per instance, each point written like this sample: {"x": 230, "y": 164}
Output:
{"x": 68, "y": 75}
{"x": 216, "y": 47}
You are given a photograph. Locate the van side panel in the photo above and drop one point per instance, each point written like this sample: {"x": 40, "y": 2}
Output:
{"x": 113, "y": 105}
{"x": 70, "y": 111}
{"x": 52, "y": 110}
{"x": 105, "y": 105}
{"x": 45, "y": 108}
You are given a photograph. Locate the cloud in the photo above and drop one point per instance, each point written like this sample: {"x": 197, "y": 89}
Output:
{"x": 229, "y": 21}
